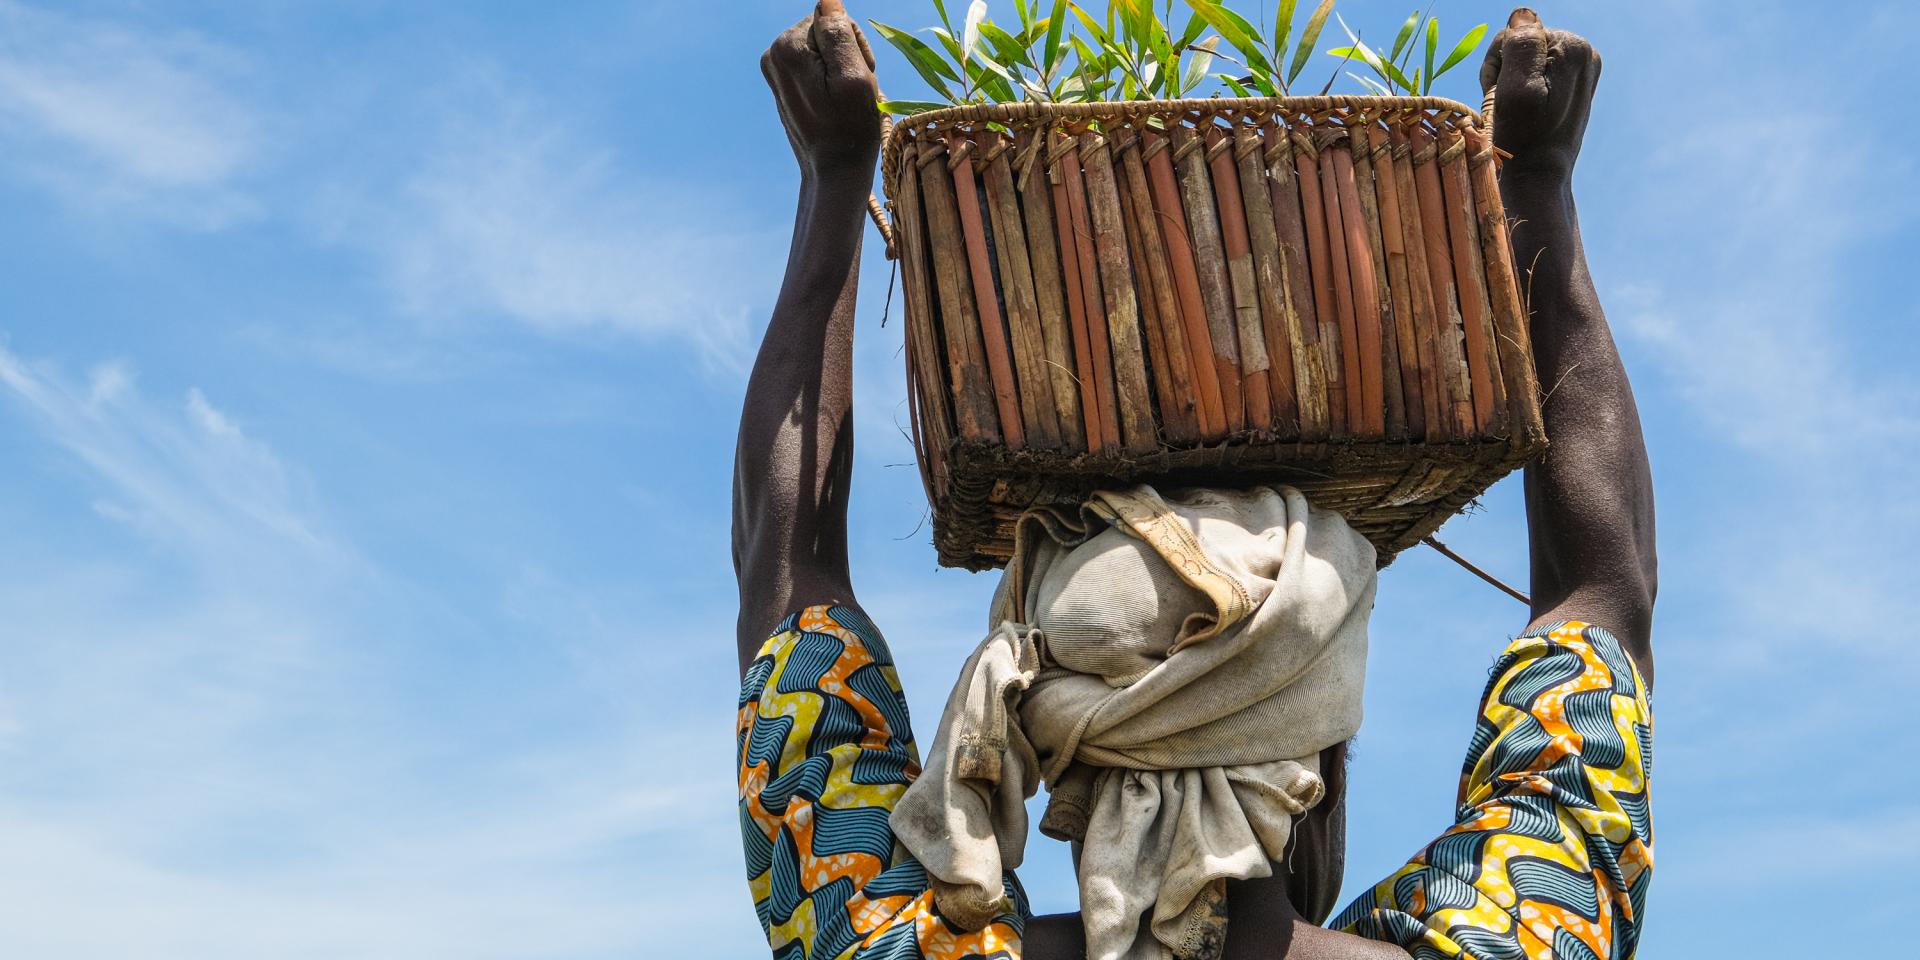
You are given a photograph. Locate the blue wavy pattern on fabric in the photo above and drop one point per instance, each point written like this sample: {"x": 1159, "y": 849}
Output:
{"x": 759, "y": 849}
{"x": 756, "y": 678}
{"x": 1484, "y": 733}
{"x": 904, "y": 879}
{"x": 1590, "y": 714}
{"x": 767, "y": 740}
{"x": 1566, "y": 946}
{"x": 1568, "y": 779}
{"x": 1637, "y": 896}
{"x": 1551, "y": 669}
{"x": 786, "y": 892}
{"x": 1399, "y": 927}
{"x": 857, "y": 623}
{"x": 859, "y": 830}
{"x": 1360, "y": 907}
{"x": 1486, "y": 944}
{"x": 1638, "y": 813}
{"x": 897, "y": 943}
{"x": 870, "y": 682}
{"x": 1533, "y": 816}
{"x": 1548, "y": 882}
{"x": 812, "y": 655}
{"x": 807, "y": 779}
{"x": 1446, "y": 891}
{"x": 1459, "y": 853}
{"x": 1516, "y": 750}
{"x": 879, "y": 768}
{"x": 833, "y": 924}
{"x": 1615, "y": 657}
{"x": 838, "y": 725}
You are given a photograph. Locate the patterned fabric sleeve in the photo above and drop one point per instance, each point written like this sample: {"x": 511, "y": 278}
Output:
{"x": 825, "y": 750}
{"x": 1552, "y": 849}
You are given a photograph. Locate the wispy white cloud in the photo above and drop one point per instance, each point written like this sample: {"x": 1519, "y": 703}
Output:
{"x": 125, "y": 121}
{"x": 216, "y": 748}
{"x": 188, "y": 477}
{"x": 511, "y": 212}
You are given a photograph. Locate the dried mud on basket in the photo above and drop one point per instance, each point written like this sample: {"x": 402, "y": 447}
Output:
{"x": 1316, "y": 291}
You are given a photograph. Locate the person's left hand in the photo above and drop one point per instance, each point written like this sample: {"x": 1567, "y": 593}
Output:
{"x": 821, "y": 72}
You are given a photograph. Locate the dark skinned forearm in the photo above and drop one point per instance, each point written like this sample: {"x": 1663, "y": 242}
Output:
{"x": 1590, "y": 499}
{"x": 795, "y": 452}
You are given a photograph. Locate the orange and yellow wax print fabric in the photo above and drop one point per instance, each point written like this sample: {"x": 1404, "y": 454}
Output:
{"x": 1550, "y": 856}
{"x": 1552, "y": 848}
{"x": 825, "y": 751}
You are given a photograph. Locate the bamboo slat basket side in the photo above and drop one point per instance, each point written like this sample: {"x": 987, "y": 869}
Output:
{"x": 1317, "y": 290}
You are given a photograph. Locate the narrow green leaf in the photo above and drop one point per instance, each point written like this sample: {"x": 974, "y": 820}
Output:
{"x": 1405, "y": 34}
{"x": 1088, "y": 59}
{"x": 1201, "y": 60}
{"x": 1433, "y": 45}
{"x": 1158, "y": 41}
{"x": 909, "y": 107}
{"x": 1464, "y": 47}
{"x": 1239, "y": 89}
{"x": 1282, "y": 27}
{"x": 925, "y": 62}
{"x": 1056, "y": 23}
{"x": 1026, "y": 13}
{"x": 1309, "y": 38}
{"x": 1007, "y": 49}
{"x": 1238, "y": 33}
{"x": 1196, "y": 25}
{"x": 945, "y": 21}
{"x": 1394, "y": 74}
{"x": 1100, "y": 34}
{"x": 1360, "y": 49}
{"x": 948, "y": 41}
{"x": 991, "y": 79}
{"x": 1413, "y": 42}
{"x": 1336, "y": 71}
{"x": 1032, "y": 34}
{"x": 984, "y": 60}
{"x": 1124, "y": 30}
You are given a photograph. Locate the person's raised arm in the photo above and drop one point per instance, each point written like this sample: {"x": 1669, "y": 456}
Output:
{"x": 795, "y": 452}
{"x": 1590, "y": 499}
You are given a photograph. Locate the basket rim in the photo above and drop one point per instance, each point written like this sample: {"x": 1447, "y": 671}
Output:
{"x": 898, "y": 131}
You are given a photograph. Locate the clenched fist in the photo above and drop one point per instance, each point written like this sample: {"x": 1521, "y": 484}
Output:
{"x": 1545, "y": 81}
{"x": 821, "y": 72}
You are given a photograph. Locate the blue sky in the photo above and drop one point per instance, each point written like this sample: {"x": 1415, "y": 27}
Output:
{"x": 368, "y": 373}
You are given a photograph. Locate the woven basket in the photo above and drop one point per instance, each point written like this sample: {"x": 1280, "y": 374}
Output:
{"x": 1314, "y": 290}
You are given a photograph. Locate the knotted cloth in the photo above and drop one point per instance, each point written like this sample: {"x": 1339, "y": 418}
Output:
{"x": 1171, "y": 668}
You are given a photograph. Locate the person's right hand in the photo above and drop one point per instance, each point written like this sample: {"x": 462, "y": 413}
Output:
{"x": 821, "y": 72}
{"x": 1545, "y": 81}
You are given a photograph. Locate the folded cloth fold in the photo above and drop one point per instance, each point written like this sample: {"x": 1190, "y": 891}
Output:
{"x": 1171, "y": 668}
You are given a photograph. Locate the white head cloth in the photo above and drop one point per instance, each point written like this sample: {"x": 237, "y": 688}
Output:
{"x": 1172, "y": 669}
